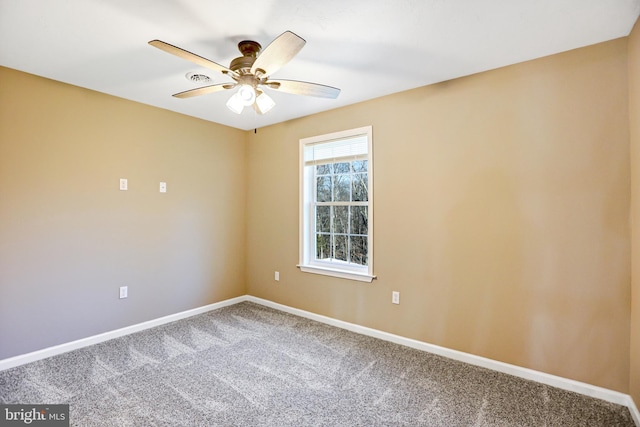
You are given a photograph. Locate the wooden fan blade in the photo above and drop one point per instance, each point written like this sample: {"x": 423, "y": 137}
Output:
{"x": 204, "y": 90}
{"x": 184, "y": 54}
{"x": 279, "y": 52}
{"x": 304, "y": 88}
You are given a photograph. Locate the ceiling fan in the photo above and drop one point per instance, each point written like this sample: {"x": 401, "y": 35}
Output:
{"x": 251, "y": 72}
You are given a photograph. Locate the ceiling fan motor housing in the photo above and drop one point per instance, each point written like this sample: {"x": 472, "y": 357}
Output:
{"x": 242, "y": 65}
{"x": 249, "y": 50}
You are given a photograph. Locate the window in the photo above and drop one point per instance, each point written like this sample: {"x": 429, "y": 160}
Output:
{"x": 336, "y": 197}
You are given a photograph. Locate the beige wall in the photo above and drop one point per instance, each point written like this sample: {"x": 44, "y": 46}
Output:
{"x": 634, "y": 126}
{"x": 69, "y": 238}
{"x": 501, "y": 209}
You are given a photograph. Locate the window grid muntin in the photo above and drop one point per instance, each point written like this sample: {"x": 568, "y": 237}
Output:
{"x": 356, "y": 167}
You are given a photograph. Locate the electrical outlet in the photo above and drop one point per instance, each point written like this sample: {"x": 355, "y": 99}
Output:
{"x": 124, "y": 291}
{"x": 124, "y": 186}
{"x": 395, "y": 297}
{"x": 277, "y": 276}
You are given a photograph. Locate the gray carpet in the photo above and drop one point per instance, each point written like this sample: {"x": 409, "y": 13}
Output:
{"x": 248, "y": 365}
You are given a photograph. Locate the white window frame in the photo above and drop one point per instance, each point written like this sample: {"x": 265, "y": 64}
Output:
{"x": 308, "y": 263}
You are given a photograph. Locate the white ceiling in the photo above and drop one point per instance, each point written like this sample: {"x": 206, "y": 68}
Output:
{"x": 367, "y": 48}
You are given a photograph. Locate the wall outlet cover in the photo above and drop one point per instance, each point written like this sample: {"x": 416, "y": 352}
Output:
{"x": 395, "y": 297}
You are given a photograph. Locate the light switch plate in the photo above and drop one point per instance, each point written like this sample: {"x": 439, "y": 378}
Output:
{"x": 124, "y": 186}
{"x": 163, "y": 187}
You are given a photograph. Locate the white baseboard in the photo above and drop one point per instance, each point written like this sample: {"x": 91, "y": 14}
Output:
{"x": 529, "y": 374}
{"x": 95, "y": 339}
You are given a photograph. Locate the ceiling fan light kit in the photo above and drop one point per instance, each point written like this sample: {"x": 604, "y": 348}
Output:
{"x": 235, "y": 104}
{"x": 251, "y": 72}
{"x": 264, "y": 103}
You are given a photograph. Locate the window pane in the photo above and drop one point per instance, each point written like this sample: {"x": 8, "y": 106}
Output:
{"x": 359, "y": 220}
{"x": 358, "y": 250}
{"x": 340, "y": 219}
{"x": 340, "y": 247}
{"x": 360, "y": 191}
{"x": 323, "y": 219}
{"x": 359, "y": 166}
{"x": 323, "y": 169}
{"x": 341, "y": 167}
{"x": 342, "y": 188}
{"x": 323, "y": 188}
{"x": 323, "y": 246}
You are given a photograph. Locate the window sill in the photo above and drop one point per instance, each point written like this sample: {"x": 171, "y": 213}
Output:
{"x": 361, "y": 277}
